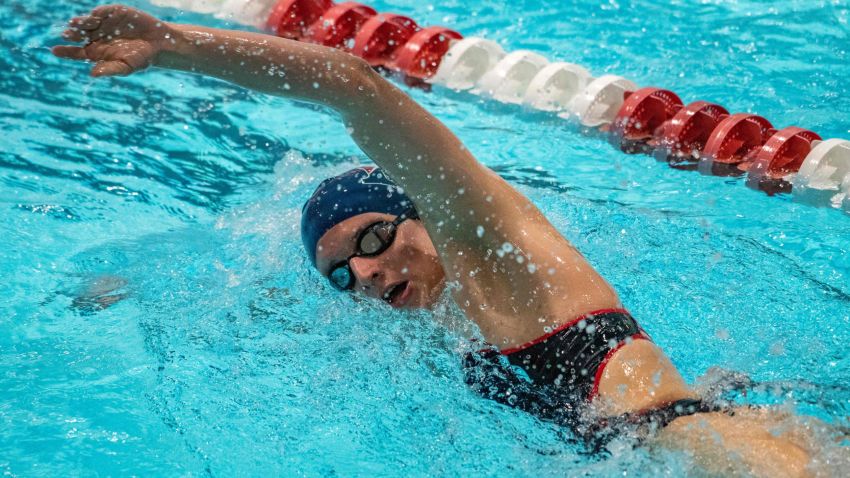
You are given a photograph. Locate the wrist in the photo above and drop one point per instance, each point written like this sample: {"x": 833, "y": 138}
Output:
{"x": 174, "y": 45}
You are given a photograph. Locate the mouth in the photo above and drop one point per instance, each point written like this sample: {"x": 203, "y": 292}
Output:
{"x": 397, "y": 294}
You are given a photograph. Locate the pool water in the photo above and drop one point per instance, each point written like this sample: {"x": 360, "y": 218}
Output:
{"x": 176, "y": 199}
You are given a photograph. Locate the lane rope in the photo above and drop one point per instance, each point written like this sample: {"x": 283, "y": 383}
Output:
{"x": 699, "y": 136}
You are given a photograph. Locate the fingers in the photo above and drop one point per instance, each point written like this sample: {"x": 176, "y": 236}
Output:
{"x": 70, "y": 52}
{"x": 136, "y": 60}
{"x": 101, "y": 22}
{"x": 85, "y": 22}
{"x": 111, "y": 68}
{"x": 74, "y": 35}
{"x": 82, "y": 28}
{"x": 110, "y": 40}
{"x": 103, "y": 67}
{"x": 113, "y": 18}
{"x": 104, "y": 11}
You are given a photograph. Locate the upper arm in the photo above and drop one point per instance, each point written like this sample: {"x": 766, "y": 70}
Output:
{"x": 492, "y": 239}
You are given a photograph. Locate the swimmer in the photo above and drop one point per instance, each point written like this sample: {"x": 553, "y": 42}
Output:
{"x": 431, "y": 214}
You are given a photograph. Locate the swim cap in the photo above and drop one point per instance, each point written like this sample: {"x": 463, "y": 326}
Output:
{"x": 360, "y": 190}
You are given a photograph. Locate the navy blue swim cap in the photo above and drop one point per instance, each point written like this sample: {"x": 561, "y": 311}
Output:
{"x": 360, "y": 190}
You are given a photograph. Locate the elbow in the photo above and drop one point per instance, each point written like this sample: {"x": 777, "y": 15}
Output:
{"x": 363, "y": 84}
{"x": 365, "y": 77}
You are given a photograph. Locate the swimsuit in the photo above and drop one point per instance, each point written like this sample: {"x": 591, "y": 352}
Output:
{"x": 558, "y": 374}
{"x": 644, "y": 423}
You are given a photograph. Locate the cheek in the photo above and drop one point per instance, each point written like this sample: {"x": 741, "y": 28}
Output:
{"x": 416, "y": 256}
{"x": 410, "y": 258}
{"x": 422, "y": 261}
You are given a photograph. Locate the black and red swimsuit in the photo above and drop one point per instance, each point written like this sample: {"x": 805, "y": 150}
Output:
{"x": 556, "y": 375}
{"x": 575, "y": 354}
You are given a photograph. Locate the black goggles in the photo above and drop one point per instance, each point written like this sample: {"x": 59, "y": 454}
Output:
{"x": 372, "y": 241}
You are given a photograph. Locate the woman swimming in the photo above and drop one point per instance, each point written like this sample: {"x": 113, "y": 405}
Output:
{"x": 433, "y": 215}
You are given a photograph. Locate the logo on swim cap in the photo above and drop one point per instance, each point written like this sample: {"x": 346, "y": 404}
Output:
{"x": 357, "y": 191}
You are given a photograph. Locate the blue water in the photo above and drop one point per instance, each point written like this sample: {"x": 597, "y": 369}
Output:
{"x": 226, "y": 358}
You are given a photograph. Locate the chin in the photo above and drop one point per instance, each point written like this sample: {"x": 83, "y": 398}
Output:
{"x": 430, "y": 296}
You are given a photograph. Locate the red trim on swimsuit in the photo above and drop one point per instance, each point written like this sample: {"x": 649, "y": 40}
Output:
{"x": 564, "y": 326}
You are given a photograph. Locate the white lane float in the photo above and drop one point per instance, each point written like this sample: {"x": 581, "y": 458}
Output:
{"x": 466, "y": 62}
{"x": 823, "y": 177}
{"x": 555, "y": 86}
{"x": 597, "y": 105}
{"x": 845, "y": 190}
{"x": 509, "y": 79}
{"x": 246, "y": 12}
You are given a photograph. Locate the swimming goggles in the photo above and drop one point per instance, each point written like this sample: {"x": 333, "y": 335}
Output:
{"x": 372, "y": 241}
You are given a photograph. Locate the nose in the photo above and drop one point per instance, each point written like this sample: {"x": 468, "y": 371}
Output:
{"x": 367, "y": 272}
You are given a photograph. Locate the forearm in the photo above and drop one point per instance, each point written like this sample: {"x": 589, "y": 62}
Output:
{"x": 415, "y": 148}
{"x": 267, "y": 64}
{"x": 408, "y": 142}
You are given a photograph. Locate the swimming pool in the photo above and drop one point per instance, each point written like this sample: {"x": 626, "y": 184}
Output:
{"x": 227, "y": 358}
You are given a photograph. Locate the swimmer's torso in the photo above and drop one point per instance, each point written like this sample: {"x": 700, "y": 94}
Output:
{"x": 526, "y": 280}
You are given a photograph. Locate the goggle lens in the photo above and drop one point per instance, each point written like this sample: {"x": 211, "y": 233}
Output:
{"x": 376, "y": 239}
{"x": 340, "y": 277}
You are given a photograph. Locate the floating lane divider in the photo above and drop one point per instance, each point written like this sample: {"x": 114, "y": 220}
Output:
{"x": 700, "y": 135}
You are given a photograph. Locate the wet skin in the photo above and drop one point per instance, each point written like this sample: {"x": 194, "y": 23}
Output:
{"x": 517, "y": 276}
{"x": 411, "y": 262}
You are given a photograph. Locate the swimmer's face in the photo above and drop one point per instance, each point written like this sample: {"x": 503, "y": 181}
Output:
{"x": 408, "y": 274}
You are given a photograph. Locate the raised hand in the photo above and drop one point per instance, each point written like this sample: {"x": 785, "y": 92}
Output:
{"x": 119, "y": 39}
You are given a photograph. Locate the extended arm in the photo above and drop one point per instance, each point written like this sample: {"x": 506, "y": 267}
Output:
{"x": 519, "y": 276}
{"x": 469, "y": 211}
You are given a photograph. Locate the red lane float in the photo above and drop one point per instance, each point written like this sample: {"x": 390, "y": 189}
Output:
{"x": 642, "y": 114}
{"x": 781, "y": 155}
{"x": 291, "y": 18}
{"x": 381, "y": 36}
{"x": 389, "y": 40}
{"x": 734, "y": 141}
{"x": 421, "y": 55}
{"x": 680, "y": 140}
{"x": 339, "y": 24}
